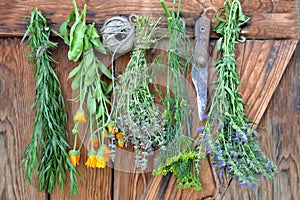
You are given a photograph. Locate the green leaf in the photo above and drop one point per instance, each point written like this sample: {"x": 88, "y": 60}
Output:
{"x": 76, "y": 82}
{"x": 75, "y": 71}
{"x": 64, "y": 27}
{"x": 109, "y": 88}
{"x": 104, "y": 70}
{"x": 91, "y": 104}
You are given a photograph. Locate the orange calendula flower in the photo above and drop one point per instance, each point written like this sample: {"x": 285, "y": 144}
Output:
{"x": 121, "y": 142}
{"x": 104, "y": 149}
{"x": 119, "y": 135}
{"x": 100, "y": 163}
{"x": 80, "y": 116}
{"x": 74, "y": 157}
{"x": 92, "y": 160}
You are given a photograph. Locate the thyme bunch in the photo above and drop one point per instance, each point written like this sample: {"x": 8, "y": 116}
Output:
{"x": 46, "y": 153}
{"x": 135, "y": 113}
{"x": 92, "y": 90}
{"x": 180, "y": 155}
{"x": 235, "y": 148}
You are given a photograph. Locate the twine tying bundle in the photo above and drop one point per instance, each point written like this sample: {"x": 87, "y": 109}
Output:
{"x": 118, "y": 34}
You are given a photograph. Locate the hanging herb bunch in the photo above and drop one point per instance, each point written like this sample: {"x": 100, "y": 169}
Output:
{"x": 46, "y": 153}
{"x": 235, "y": 148}
{"x": 93, "y": 92}
{"x": 135, "y": 113}
{"x": 180, "y": 155}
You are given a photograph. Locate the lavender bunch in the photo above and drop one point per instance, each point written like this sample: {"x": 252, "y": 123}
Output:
{"x": 235, "y": 149}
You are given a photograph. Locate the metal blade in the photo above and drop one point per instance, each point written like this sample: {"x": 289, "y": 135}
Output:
{"x": 200, "y": 64}
{"x": 199, "y": 78}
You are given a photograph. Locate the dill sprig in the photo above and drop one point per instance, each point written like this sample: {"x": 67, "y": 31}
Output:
{"x": 50, "y": 126}
{"x": 235, "y": 147}
{"x": 135, "y": 113}
{"x": 180, "y": 155}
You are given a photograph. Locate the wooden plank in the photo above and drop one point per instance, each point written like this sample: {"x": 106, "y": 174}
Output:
{"x": 97, "y": 183}
{"x": 261, "y": 70}
{"x": 279, "y": 134}
{"x": 262, "y": 64}
{"x": 16, "y": 120}
{"x": 270, "y": 19}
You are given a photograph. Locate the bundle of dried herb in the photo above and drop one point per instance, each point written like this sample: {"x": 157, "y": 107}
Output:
{"x": 235, "y": 147}
{"x": 135, "y": 113}
{"x": 48, "y": 141}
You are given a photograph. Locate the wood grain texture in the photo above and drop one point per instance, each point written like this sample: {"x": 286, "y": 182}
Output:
{"x": 270, "y": 18}
{"x": 279, "y": 135}
{"x": 261, "y": 70}
{"x": 261, "y": 64}
{"x": 16, "y": 120}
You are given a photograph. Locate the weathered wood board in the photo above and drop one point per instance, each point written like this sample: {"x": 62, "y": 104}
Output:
{"x": 270, "y": 18}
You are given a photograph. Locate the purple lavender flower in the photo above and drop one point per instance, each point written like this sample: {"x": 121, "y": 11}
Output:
{"x": 200, "y": 129}
{"x": 238, "y": 134}
{"x": 204, "y": 117}
{"x": 213, "y": 165}
{"x": 196, "y": 143}
{"x": 221, "y": 173}
{"x": 221, "y": 163}
{"x": 253, "y": 186}
{"x": 235, "y": 140}
{"x": 244, "y": 140}
{"x": 242, "y": 183}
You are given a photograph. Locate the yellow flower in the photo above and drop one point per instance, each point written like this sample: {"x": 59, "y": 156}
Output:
{"x": 105, "y": 152}
{"x": 100, "y": 163}
{"x": 92, "y": 160}
{"x": 111, "y": 128}
{"x": 80, "y": 116}
{"x": 121, "y": 142}
{"x": 74, "y": 157}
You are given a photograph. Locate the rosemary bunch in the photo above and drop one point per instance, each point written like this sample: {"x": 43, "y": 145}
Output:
{"x": 180, "y": 155}
{"x": 235, "y": 147}
{"x": 50, "y": 126}
{"x": 135, "y": 113}
{"x": 92, "y": 90}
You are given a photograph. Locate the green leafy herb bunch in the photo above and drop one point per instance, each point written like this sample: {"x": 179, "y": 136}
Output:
{"x": 235, "y": 148}
{"x": 180, "y": 157}
{"x": 46, "y": 153}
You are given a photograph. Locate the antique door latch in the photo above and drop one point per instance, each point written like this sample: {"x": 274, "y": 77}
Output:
{"x": 200, "y": 62}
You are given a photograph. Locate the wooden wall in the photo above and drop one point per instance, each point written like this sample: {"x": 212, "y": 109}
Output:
{"x": 266, "y": 66}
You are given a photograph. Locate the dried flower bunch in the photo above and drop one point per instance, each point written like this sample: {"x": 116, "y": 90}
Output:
{"x": 46, "y": 153}
{"x": 235, "y": 148}
{"x": 92, "y": 89}
{"x": 135, "y": 113}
